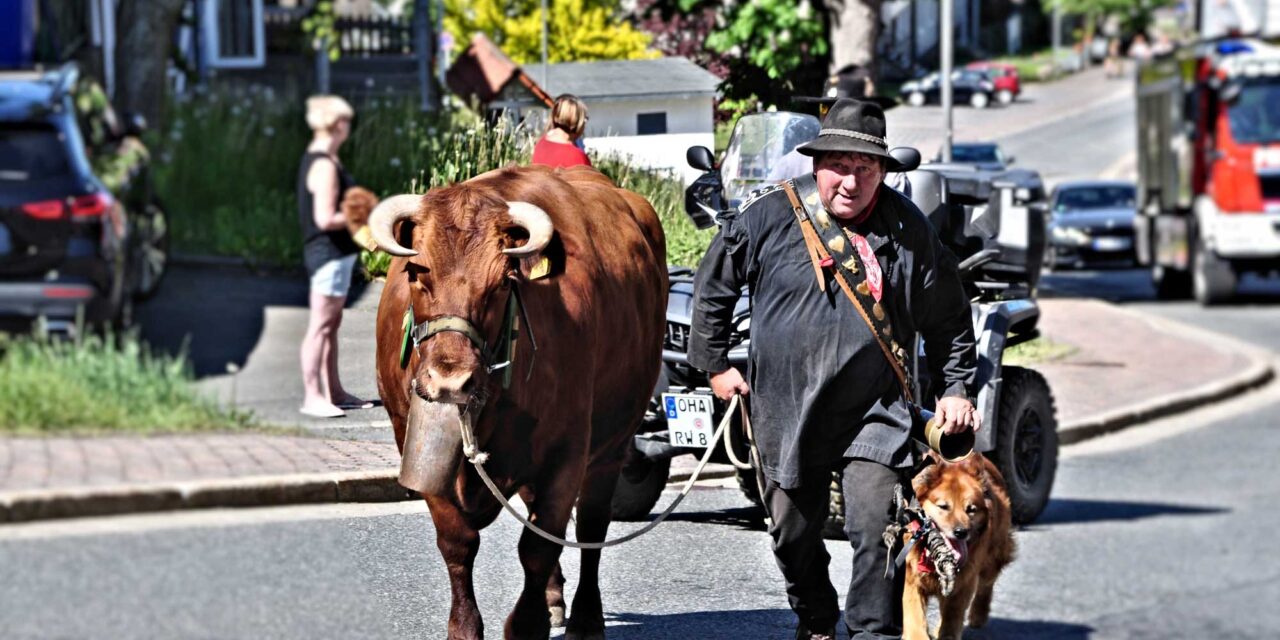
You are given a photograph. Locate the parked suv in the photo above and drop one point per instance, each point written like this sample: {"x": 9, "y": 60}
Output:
{"x": 81, "y": 232}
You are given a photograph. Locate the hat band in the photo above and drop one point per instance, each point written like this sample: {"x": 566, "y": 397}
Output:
{"x": 856, "y": 135}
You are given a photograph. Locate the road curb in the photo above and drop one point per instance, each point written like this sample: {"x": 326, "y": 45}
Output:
{"x": 255, "y": 491}
{"x": 1259, "y": 372}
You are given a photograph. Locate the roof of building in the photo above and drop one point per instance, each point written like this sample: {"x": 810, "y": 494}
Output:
{"x": 625, "y": 78}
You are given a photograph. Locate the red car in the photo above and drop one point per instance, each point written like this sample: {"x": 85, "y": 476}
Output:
{"x": 1005, "y": 77}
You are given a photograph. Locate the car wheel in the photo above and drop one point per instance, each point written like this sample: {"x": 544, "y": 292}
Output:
{"x": 152, "y": 258}
{"x": 1026, "y": 451}
{"x": 979, "y": 100}
{"x": 1004, "y": 96}
{"x": 1213, "y": 281}
{"x": 639, "y": 486}
{"x": 915, "y": 99}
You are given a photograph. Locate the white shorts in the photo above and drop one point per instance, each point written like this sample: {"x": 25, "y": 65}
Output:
{"x": 333, "y": 278}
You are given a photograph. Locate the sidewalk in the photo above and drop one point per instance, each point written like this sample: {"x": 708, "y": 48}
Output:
{"x": 1148, "y": 367}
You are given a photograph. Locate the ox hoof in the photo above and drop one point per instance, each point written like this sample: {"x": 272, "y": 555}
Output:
{"x": 557, "y": 617}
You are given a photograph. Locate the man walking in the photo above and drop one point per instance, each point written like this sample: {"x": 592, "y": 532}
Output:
{"x": 824, "y": 395}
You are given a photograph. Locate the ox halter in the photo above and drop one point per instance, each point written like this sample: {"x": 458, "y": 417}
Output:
{"x": 495, "y": 358}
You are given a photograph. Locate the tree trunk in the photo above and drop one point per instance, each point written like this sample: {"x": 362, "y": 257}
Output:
{"x": 855, "y": 28}
{"x": 144, "y": 36}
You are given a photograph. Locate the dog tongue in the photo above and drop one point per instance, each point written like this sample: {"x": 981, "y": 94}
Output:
{"x": 959, "y": 549}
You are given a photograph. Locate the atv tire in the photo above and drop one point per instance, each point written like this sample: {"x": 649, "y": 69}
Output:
{"x": 639, "y": 486}
{"x": 1026, "y": 451}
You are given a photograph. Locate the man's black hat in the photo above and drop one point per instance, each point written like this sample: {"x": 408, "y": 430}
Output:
{"x": 852, "y": 126}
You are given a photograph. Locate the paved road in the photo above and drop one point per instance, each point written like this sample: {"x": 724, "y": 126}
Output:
{"x": 1155, "y": 533}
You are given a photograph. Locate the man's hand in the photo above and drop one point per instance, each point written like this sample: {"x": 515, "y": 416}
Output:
{"x": 728, "y": 382}
{"x": 957, "y": 414}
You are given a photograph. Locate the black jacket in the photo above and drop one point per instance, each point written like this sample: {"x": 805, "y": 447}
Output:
{"x": 822, "y": 389}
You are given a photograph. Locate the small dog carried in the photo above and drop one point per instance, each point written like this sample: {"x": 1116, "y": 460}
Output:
{"x": 966, "y": 505}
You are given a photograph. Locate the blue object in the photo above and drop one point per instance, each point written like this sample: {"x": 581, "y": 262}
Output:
{"x": 1230, "y": 47}
{"x": 671, "y": 408}
{"x": 17, "y": 33}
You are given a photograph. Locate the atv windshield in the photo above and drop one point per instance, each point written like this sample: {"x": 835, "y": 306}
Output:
{"x": 759, "y": 144}
{"x": 1253, "y": 116}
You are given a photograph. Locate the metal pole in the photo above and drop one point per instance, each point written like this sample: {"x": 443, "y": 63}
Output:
{"x": 422, "y": 49}
{"x": 946, "y": 46}
{"x": 544, "y": 46}
{"x": 1057, "y": 33}
{"x": 441, "y": 63}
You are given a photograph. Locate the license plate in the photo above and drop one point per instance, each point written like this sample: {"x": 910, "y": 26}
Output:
{"x": 1111, "y": 244}
{"x": 688, "y": 419}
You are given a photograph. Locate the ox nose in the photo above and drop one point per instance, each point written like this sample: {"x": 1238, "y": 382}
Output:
{"x": 960, "y": 533}
{"x": 450, "y": 387}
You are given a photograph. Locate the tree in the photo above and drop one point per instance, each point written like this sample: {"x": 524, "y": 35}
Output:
{"x": 1137, "y": 13}
{"x": 776, "y": 50}
{"x": 144, "y": 37}
{"x": 681, "y": 28}
{"x": 579, "y": 30}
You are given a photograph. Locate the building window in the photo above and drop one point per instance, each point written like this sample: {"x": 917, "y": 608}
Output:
{"x": 648, "y": 124}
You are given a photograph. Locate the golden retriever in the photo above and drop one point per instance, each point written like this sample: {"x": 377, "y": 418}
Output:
{"x": 968, "y": 504}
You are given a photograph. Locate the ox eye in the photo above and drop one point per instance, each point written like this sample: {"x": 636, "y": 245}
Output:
{"x": 971, "y": 509}
{"x": 942, "y": 506}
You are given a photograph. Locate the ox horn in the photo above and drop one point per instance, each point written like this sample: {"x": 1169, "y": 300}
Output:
{"x": 382, "y": 222}
{"x": 536, "y": 222}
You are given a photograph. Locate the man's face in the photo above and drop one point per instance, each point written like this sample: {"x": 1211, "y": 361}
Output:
{"x": 847, "y": 182}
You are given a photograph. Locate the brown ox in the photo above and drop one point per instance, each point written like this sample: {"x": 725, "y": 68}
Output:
{"x": 557, "y": 435}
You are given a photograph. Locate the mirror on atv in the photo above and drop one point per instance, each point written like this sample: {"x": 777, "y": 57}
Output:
{"x": 700, "y": 158}
{"x": 908, "y": 157}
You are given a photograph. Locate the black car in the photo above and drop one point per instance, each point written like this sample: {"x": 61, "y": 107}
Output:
{"x": 81, "y": 233}
{"x": 967, "y": 86}
{"x": 1091, "y": 224}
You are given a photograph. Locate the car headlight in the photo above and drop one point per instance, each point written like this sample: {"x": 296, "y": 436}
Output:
{"x": 1070, "y": 235}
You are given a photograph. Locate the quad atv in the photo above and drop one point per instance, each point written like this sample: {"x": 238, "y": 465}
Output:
{"x": 1000, "y": 243}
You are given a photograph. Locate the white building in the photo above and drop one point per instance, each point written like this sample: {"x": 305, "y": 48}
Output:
{"x": 651, "y": 110}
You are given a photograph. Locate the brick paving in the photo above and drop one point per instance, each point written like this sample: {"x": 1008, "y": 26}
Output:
{"x": 61, "y": 463}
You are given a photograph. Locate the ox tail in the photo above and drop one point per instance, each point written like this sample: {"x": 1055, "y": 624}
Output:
{"x": 432, "y": 447}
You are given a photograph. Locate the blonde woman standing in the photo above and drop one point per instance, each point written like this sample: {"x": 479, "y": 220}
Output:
{"x": 568, "y": 121}
{"x": 329, "y": 254}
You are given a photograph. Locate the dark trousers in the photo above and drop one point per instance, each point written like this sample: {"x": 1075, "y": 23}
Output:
{"x": 873, "y": 606}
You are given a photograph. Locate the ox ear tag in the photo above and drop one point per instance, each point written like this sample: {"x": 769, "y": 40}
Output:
{"x": 540, "y": 269}
{"x": 406, "y": 343}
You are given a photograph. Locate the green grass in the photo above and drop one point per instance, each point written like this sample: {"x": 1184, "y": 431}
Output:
{"x": 100, "y": 385}
{"x": 227, "y": 163}
{"x": 1038, "y": 351}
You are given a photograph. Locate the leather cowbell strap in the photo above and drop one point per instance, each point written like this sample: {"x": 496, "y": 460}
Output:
{"x": 829, "y": 247}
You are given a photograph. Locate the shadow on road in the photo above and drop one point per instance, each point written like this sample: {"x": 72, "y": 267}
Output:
{"x": 755, "y": 623}
{"x": 1134, "y": 285}
{"x": 1070, "y": 511}
{"x": 217, "y": 314}
{"x": 1044, "y": 630}
{"x": 744, "y": 518}
{"x": 780, "y": 624}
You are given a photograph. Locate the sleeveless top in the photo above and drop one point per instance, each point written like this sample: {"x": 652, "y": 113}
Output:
{"x": 319, "y": 246}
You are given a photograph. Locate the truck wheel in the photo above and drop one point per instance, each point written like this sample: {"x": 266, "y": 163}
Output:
{"x": 639, "y": 486}
{"x": 915, "y": 99}
{"x": 979, "y": 100}
{"x": 1212, "y": 279}
{"x": 1026, "y": 442}
{"x": 1170, "y": 284}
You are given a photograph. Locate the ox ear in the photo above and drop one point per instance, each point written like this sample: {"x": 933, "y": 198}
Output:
{"x": 550, "y": 262}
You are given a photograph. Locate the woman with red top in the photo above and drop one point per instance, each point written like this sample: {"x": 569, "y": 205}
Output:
{"x": 556, "y": 147}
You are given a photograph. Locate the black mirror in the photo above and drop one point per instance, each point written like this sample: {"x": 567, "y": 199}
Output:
{"x": 908, "y": 157}
{"x": 1009, "y": 160}
{"x": 700, "y": 158}
{"x": 135, "y": 124}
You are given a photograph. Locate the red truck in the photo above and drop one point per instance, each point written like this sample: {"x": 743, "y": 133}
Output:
{"x": 1208, "y": 123}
